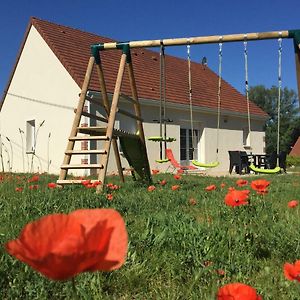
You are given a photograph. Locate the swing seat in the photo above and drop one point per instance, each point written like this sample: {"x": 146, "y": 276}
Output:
{"x": 265, "y": 171}
{"x": 161, "y": 161}
{"x": 161, "y": 139}
{"x": 204, "y": 165}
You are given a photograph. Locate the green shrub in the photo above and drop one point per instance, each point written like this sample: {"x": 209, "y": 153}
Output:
{"x": 292, "y": 161}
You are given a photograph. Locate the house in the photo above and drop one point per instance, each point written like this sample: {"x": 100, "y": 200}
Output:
{"x": 37, "y": 108}
{"x": 296, "y": 149}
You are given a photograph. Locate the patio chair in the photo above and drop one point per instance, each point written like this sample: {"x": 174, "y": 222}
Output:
{"x": 175, "y": 164}
{"x": 272, "y": 160}
{"x": 239, "y": 161}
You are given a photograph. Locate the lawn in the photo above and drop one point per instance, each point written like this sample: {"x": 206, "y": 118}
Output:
{"x": 178, "y": 248}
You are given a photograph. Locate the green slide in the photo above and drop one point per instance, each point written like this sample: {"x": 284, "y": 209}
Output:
{"x": 136, "y": 155}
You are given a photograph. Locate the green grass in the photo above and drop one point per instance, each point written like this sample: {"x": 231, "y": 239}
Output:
{"x": 175, "y": 248}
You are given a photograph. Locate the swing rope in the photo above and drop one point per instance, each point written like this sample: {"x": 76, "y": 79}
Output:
{"x": 277, "y": 169}
{"x": 247, "y": 88}
{"x": 162, "y": 94}
{"x": 195, "y": 162}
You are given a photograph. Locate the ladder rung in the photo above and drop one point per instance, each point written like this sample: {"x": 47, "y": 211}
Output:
{"x": 95, "y": 117}
{"x": 85, "y": 152}
{"x": 72, "y": 181}
{"x": 87, "y": 166}
{"x": 92, "y": 138}
{"x": 128, "y": 114}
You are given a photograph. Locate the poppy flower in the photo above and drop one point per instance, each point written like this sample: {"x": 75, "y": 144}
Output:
{"x": 260, "y": 185}
{"x": 52, "y": 185}
{"x": 241, "y": 182}
{"x": 19, "y": 189}
{"x": 151, "y": 188}
{"x": 34, "y": 178}
{"x": 180, "y": 171}
{"x": 222, "y": 185}
{"x": 154, "y": 172}
{"x": 175, "y": 187}
{"x": 220, "y": 272}
{"x": 230, "y": 189}
{"x": 192, "y": 201}
{"x": 61, "y": 246}
{"x": 293, "y": 203}
{"x": 109, "y": 197}
{"x": 292, "y": 271}
{"x": 210, "y": 188}
{"x": 86, "y": 182}
{"x": 33, "y": 187}
{"x": 236, "y": 198}
{"x": 163, "y": 182}
{"x": 237, "y": 291}
{"x": 177, "y": 177}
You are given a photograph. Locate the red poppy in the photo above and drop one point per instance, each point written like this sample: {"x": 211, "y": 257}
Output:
{"x": 230, "y": 189}
{"x": 61, "y": 246}
{"x": 175, "y": 187}
{"x": 236, "y": 198}
{"x": 192, "y": 201}
{"x": 292, "y": 271}
{"x": 237, "y": 291}
{"x": 151, "y": 188}
{"x": 180, "y": 171}
{"x": 293, "y": 203}
{"x": 210, "y": 188}
{"x": 96, "y": 183}
{"x": 177, "y": 177}
{"x": 110, "y": 197}
{"x": 241, "y": 182}
{"x": 260, "y": 185}
{"x": 163, "y": 182}
{"x": 222, "y": 185}
{"x": 19, "y": 189}
{"x": 154, "y": 172}
{"x": 220, "y": 272}
{"x": 52, "y": 185}
{"x": 86, "y": 182}
{"x": 33, "y": 187}
{"x": 34, "y": 178}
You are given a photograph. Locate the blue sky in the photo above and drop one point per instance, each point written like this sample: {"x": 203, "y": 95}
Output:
{"x": 156, "y": 19}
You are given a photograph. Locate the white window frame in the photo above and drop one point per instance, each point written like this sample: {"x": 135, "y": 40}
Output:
{"x": 30, "y": 136}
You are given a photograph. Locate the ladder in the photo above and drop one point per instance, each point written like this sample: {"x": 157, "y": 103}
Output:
{"x": 106, "y": 134}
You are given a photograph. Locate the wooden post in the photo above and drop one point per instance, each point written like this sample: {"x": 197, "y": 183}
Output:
{"x": 107, "y": 109}
{"x": 111, "y": 121}
{"x": 297, "y": 58}
{"x": 76, "y": 121}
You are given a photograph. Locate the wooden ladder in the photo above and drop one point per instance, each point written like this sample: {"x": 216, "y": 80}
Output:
{"x": 107, "y": 134}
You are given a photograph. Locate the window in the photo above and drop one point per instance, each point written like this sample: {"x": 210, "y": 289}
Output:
{"x": 30, "y": 136}
{"x": 186, "y": 144}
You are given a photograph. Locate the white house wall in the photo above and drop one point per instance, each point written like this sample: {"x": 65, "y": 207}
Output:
{"x": 41, "y": 90}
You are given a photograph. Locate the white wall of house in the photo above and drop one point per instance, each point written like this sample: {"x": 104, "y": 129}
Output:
{"x": 41, "y": 90}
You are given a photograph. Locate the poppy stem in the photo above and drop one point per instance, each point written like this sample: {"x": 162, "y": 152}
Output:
{"x": 74, "y": 289}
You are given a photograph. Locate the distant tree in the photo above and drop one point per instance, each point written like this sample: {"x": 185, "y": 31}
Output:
{"x": 267, "y": 100}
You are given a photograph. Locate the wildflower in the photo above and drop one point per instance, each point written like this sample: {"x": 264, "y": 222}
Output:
{"x": 19, "y": 189}
{"x": 210, "y": 188}
{"x": 236, "y": 198}
{"x": 241, "y": 182}
{"x": 175, "y": 187}
{"x": 163, "y": 182}
{"x": 34, "y": 178}
{"x": 237, "y": 291}
{"x": 192, "y": 201}
{"x": 86, "y": 182}
{"x": 180, "y": 171}
{"x": 33, "y": 187}
{"x": 260, "y": 185}
{"x": 293, "y": 203}
{"x": 151, "y": 188}
{"x": 222, "y": 185}
{"x": 61, "y": 246}
{"x": 177, "y": 177}
{"x": 292, "y": 271}
{"x": 109, "y": 197}
{"x": 154, "y": 172}
{"x": 52, "y": 185}
{"x": 220, "y": 272}
{"x": 230, "y": 189}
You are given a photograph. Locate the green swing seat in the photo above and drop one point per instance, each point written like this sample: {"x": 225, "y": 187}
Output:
{"x": 204, "y": 165}
{"x": 265, "y": 171}
{"x": 161, "y": 161}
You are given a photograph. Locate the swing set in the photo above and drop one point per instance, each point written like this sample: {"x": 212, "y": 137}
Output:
{"x": 136, "y": 150}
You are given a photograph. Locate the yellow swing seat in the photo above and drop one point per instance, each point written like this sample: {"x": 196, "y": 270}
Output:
{"x": 265, "y": 171}
{"x": 204, "y": 165}
{"x": 161, "y": 161}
